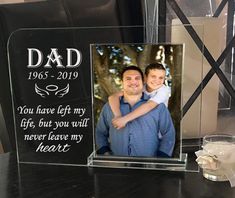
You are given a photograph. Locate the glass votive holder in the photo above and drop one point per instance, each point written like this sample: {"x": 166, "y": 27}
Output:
{"x": 221, "y": 150}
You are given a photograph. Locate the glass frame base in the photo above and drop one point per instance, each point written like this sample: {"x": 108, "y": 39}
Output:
{"x": 159, "y": 164}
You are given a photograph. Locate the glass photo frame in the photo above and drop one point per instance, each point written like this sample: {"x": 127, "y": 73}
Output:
{"x": 165, "y": 61}
{"x": 28, "y": 83}
{"x": 108, "y": 61}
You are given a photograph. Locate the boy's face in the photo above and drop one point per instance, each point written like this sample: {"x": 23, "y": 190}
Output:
{"x": 155, "y": 79}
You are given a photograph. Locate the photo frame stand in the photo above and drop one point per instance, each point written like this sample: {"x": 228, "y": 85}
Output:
{"x": 138, "y": 163}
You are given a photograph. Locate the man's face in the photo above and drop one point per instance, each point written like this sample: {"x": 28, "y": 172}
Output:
{"x": 132, "y": 82}
{"x": 155, "y": 79}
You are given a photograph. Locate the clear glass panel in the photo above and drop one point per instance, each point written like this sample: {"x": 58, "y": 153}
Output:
{"x": 53, "y": 92}
{"x": 51, "y": 88}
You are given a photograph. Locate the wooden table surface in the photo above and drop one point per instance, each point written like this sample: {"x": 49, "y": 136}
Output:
{"x": 54, "y": 181}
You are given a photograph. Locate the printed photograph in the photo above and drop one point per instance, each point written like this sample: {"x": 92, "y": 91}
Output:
{"x": 137, "y": 99}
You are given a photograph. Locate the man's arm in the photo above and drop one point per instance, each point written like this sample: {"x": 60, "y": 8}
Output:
{"x": 167, "y": 133}
{"x": 102, "y": 133}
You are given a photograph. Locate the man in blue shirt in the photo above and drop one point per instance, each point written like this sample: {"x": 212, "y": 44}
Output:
{"x": 151, "y": 135}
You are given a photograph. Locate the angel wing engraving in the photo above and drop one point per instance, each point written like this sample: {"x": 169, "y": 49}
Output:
{"x": 60, "y": 93}
{"x": 43, "y": 93}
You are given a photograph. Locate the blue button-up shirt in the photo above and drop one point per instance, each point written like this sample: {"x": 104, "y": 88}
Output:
{"x": 147, "y": 135}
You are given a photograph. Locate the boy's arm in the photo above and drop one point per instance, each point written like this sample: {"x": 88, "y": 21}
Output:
{"x": 161, "y": 96}
{"x": 141, "y": 110}
{"x": 114, "y": 103}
